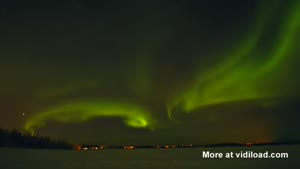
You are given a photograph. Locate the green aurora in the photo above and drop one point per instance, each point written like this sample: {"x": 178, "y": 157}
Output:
{"x": 133, "y": 115}
{"x": 151, "y": 70}
{"x": 241, "y": 76}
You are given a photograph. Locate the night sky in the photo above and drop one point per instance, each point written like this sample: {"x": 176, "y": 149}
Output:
{"x": 151, "y": 72}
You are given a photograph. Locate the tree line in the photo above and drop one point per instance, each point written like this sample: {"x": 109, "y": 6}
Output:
{"x": 14, "y": 138}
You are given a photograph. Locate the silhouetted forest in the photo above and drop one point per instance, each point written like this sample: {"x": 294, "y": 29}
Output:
{"x": 15, "y": 138}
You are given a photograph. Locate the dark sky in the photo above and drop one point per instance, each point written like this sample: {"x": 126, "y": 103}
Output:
{"x": 151, "y": 72}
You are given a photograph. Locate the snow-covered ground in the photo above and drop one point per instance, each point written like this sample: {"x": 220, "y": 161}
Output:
{"x": 145, "y": 159}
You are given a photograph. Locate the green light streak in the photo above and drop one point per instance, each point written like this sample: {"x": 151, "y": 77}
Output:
{"x": 241, "y": 76}
{"x": 75, "y": 112}
{"x": 286, "y": 41}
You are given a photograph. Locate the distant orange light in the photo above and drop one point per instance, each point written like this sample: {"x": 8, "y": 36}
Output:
{"x": 78, "y": 147}
{"x": 128, "y": 147}
{"x": 248, "y": 144}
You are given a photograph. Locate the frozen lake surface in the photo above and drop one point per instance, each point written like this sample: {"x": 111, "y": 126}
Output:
{"x": 144, "y": 159}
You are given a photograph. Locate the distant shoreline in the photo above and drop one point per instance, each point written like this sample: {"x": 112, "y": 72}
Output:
{"x": 102, "y": 147}
{"x": 92, "y": 148}
{"x": 16, "y": 139}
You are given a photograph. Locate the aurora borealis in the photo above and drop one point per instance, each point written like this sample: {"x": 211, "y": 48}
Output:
{"x": 133, "y": 116}
{"x": 151, "y": 72}
{"x": 239, "y": 77}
